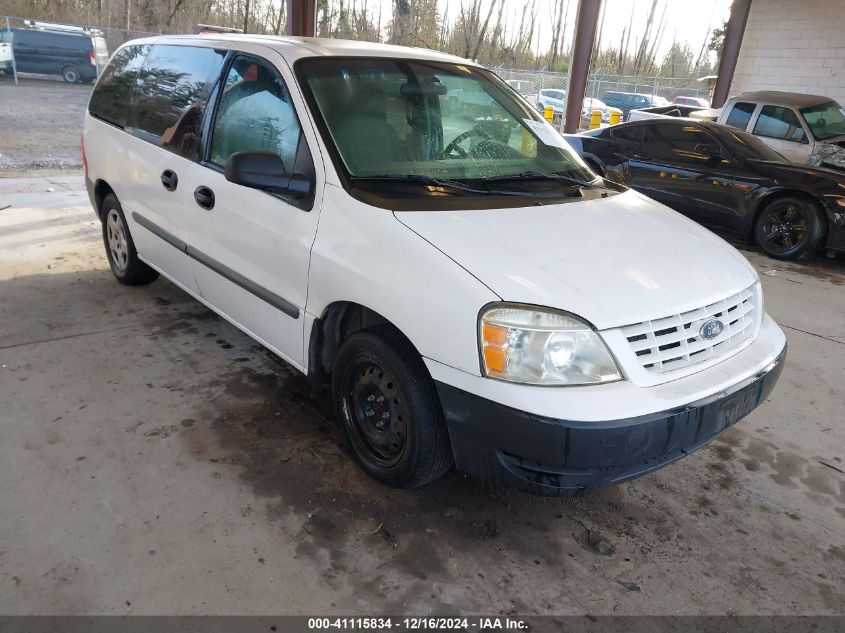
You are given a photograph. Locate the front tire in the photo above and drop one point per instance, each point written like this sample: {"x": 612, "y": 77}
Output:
{"x": 120, "y": 249}
{"x": 70, "y": 74}
{"x": 388, "y": 408}
{"x": 789, "y": 228}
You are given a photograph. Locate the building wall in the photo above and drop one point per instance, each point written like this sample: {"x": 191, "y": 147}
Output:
{"x": 793, "y": 45}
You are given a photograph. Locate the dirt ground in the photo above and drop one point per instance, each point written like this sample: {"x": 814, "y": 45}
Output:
{"x": 155, "y": 460}
{"x": 40, "y": 123}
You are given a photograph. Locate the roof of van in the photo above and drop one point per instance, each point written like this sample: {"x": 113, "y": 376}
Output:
{"x": 299, "y": 47}
{"x": 774, "y": 97}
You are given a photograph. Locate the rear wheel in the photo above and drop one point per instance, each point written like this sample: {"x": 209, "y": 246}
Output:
{"x": 70, "y": 74}
{"x": 120, "y": 249}
{"x": 789, "y": 228}
{"x": 387, "y": 405}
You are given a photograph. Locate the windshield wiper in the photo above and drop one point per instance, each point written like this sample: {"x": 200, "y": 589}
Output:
{"x": 455, "y": 185}
{"x": 541, "y": 175}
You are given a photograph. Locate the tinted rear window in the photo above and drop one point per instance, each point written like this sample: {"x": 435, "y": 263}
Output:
{"x": 740, "y": 115}
{"x": 110, "y": 99}
{"x": 779, "y": 122}
{"x": 633, "y": 133}
{"x": 171, "y": 93}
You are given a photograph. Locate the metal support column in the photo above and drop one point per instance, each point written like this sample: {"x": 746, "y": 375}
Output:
{"x": 301, "y": 17}
{"x": 579, "y": 67}
{"x": 730, "y": 51}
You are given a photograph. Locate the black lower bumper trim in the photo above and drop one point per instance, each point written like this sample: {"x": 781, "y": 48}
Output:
{"x": 550, "y": 456}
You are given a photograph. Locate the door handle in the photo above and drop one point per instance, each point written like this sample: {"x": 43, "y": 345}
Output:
{"x": 204, "y": 197}
{"x": 169, "y": 179}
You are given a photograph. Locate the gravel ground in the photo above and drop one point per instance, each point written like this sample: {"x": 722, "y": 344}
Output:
{"x": 40, "y": 123}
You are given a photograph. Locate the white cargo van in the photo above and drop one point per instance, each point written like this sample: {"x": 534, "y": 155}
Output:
{"x": 473, "y": 294}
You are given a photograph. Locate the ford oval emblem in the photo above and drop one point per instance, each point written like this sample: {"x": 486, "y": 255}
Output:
{"x": 711, "y": 329}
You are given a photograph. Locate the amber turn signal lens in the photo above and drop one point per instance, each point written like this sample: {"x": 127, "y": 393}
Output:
{"x": 494, "y": 339}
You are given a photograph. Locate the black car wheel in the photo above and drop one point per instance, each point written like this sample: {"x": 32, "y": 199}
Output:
{"x": 387, "y": 405}
{"x": 120, "y": 249}
{"x": 789, "y": 228}
{"x": 70, "y": 74}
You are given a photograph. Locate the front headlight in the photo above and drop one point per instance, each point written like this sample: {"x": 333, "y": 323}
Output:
{"x": 541, "y": 347}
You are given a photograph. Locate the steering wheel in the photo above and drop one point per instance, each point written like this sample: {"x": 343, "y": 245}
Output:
{"x": 454, "y": 146}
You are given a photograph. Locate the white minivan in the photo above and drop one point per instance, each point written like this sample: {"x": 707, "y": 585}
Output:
{"x": 473, "y": 294}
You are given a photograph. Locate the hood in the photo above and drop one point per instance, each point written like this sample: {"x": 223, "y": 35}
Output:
{"x": 818, "y": 177}
{"x": 613, "y": 261}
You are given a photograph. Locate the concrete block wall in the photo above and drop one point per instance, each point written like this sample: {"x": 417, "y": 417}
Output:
{"x": 793, "y": 45}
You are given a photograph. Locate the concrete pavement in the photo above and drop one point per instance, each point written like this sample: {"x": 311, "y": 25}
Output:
{"x": 154, "y": 460}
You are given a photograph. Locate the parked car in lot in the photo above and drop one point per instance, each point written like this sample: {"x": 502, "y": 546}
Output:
{"x": 553, "y": 97}
{"x": 557, "y": 100}
{"x": 674, "y": 110}
{"x": 74, "y": 53}
{"x": 627, "y": 101}
{"x": 806, "y": 129}
{"x": 726, "y": 179}
{"x": 5, "y": 52}
{"x": 698, "y": 102}
{"x": 472, "y": 292}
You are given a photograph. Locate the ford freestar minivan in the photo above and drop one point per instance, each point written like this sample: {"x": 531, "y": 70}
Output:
{"x": 473, "y": 294}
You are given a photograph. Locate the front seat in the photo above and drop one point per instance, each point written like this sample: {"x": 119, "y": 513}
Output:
{"x": 366, "y": 139}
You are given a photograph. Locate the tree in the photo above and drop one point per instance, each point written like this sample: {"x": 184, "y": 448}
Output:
{"x": 717, "y": 41}
{"x": 678, "y": 61}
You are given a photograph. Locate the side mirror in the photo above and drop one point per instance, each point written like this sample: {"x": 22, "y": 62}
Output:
{"x": 265, "y": 171}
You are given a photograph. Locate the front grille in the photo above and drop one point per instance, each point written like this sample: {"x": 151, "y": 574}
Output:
{"x": 674, "y": 342}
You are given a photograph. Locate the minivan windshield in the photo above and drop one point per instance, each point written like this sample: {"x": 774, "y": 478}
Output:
{"x": 420, "y": 121}
{"x": 826, "y": 120}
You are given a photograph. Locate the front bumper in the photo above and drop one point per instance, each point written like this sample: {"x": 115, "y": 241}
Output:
{"x": 550, "y": 456}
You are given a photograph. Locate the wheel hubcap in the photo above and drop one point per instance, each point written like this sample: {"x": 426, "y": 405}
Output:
{"x": 785, "y": 228}
{"x": 375, "y": 413}
{"x": 116, "y": 237}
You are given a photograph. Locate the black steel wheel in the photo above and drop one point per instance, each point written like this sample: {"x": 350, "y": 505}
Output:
{"x": 789, "y": 228}
{"x": 374, "y": 405}
{"x": 388, "y": 408}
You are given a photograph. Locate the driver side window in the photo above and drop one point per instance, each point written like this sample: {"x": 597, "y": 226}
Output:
{"x": 679, "y": 143}
{"x": 255, "y": 114}
{"x": 779, "y": 123}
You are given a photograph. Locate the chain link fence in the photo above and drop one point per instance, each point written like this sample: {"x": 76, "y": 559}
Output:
{"x": 530, "y": 82}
